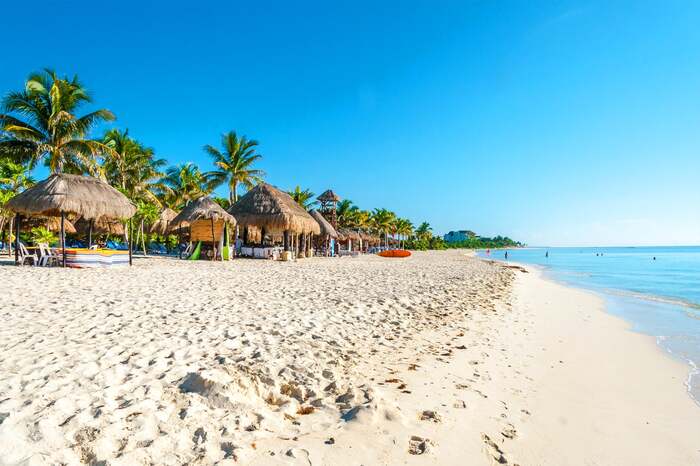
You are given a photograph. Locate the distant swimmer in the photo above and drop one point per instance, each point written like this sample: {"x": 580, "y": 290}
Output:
{"x": 506, "y": 255}
{"x": 654, "y": 257}
{"x": 546, "y": 254}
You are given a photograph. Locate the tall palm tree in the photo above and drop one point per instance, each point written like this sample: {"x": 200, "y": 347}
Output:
{"x": 40, "y": 124}
{"x": 304, "y": 198}
{"x": 14, "y": 178}
{"x": 131, "y": 167}
{"x": 424, "y": 231}
{"x": 347, "y": 213}
{"x": 235, "y": 163}
{"x": 184, "y": 183}
{"x": 384, "y": 220}
{"x": 403, "y": 228}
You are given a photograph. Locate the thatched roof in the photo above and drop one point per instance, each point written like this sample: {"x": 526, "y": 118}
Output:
{"x": 51, "y": 223}
{"x": 102, "y": 225}
{"x": 328, "y": 196}
{"x": 165, "y": 219}
{"x": 326, "y": 228}
{"x": 345, "y": 234}
{"x": 267, "y": 207}
{"x": 201, "y": 209}
{"x": 72, "y": 194}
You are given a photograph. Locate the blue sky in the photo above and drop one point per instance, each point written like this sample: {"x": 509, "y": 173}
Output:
{"x": 553, "y": 122}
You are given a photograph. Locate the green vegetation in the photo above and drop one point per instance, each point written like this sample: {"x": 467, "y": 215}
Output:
{"x": 40, "y": 124}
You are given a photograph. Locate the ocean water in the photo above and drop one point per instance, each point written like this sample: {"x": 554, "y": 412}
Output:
{"x": 656, "y": 289}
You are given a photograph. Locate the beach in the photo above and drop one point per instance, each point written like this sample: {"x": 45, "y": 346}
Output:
{"x": 441, "y": 358}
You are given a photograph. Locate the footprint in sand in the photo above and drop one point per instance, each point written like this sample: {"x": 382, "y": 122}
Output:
{"x": 431, "y": 416}
{"x": 419, "y": 445}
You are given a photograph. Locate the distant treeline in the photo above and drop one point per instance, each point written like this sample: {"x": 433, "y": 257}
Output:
{"x": 436, "y": 242}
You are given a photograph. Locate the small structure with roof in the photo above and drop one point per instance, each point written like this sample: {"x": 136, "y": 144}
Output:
{"x": 325, "y": 241}
{"x": 275, "y": 214}
{"x": 61, "y": 195}
{"x": 329, "y": 202}
{"x": 207, "y": 222}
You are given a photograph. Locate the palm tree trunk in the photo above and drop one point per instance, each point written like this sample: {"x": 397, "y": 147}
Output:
{"x": 143, "y": 239}
{"x": 233, "y": 195}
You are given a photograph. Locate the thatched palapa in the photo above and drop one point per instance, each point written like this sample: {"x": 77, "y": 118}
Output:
{"x": 326, "y": 228}
{"x": 201, "y": 209}
{"x": 86, "y": 196}
{"x": 165, "y": 220}
{"x": 50, "y": 223}
{"x": 328, "y": 196}
{"x": 267, "y": 207}
{"x": 102, "y": 225}
{"x": 345, "y": 234}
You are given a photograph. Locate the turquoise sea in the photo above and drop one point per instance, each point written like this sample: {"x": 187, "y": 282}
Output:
{"x": 656, "y": 289}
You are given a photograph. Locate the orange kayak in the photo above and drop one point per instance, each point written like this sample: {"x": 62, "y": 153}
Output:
{"x": 395, "y": 253}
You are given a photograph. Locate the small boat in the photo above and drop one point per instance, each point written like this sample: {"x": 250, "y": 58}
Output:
{"x": 395, "y": 253}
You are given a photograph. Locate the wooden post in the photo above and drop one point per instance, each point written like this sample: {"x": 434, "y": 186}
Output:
{"x": 235, "y": 241}
{"x": 286, "y": 240}
{"x": 213, "y": 239}
{"x": 63, "y": 236}
{"x": 18, "y": 219}
{"x": 179, "y": 240}
{"x": 262, "y": 236}
{"x": 130, "y": 235}
{"x": 90, "y": 233}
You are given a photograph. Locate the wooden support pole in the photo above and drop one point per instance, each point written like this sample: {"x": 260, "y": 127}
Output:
{"x": 18, "y": 219}
{"x": 90, "y": 233}
{"x": 63, "y": 236}
{"x": 130, "y": 235}
{"x": 213, "y": 239}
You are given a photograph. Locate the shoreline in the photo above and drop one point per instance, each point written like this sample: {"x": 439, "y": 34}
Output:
{"x": 606, "y": 294}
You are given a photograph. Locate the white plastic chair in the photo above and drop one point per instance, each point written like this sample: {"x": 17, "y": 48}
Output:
{"x": 46, "y": 257}
{"x": 24, "y": 255}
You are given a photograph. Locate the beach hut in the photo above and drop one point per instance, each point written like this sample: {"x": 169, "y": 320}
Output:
{"x": 275, "y": 213}
{"x": 61, "y": 195}
{"x": 207, "y": 222}
{"x": 325, "y": 241}
{"x": 162, "y": 225}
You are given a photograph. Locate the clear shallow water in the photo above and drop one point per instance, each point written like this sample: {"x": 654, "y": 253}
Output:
{"x": 658, "y": 297}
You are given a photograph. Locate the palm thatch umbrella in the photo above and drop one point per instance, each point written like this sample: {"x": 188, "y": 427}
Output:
{"x": 51, "y": 224}
{"x": 63, "y": 194}
{"x": 346, "y": 234}
{"x": 202, "y": 214}
{"x": 273, "y": 210}
{"x": 102, "y": 225}
{"x": 162, "y": 225}
{"x": 327, "y": 230}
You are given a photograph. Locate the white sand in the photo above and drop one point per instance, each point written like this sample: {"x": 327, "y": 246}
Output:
{"x": 256, "y": 362}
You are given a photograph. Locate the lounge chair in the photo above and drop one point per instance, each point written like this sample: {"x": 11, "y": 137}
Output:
{"x": 24, "y": 255}
{"x": 46, "y": 257}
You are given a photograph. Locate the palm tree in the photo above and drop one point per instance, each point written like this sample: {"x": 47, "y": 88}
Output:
{"x": 184, "y": 183}
{"x": 14, "y": 178}
{"x": 40, "y": 124}
{"x": 347, "y": 213}
{"x": 234, "y": 164}
{"x": 383, "y": 220}
{"x": 404, "y": 228}
{"x": 304, "y": 198}
{"x": 424, "y": 231}
{"x": 131, "y": 167}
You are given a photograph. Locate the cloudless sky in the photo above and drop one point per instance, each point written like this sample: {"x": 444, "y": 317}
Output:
{"x": 552, "y": 122}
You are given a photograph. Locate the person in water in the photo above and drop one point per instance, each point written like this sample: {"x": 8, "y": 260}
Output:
{"x": 546, "y": 254}
{"x": 506, "y": 255}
